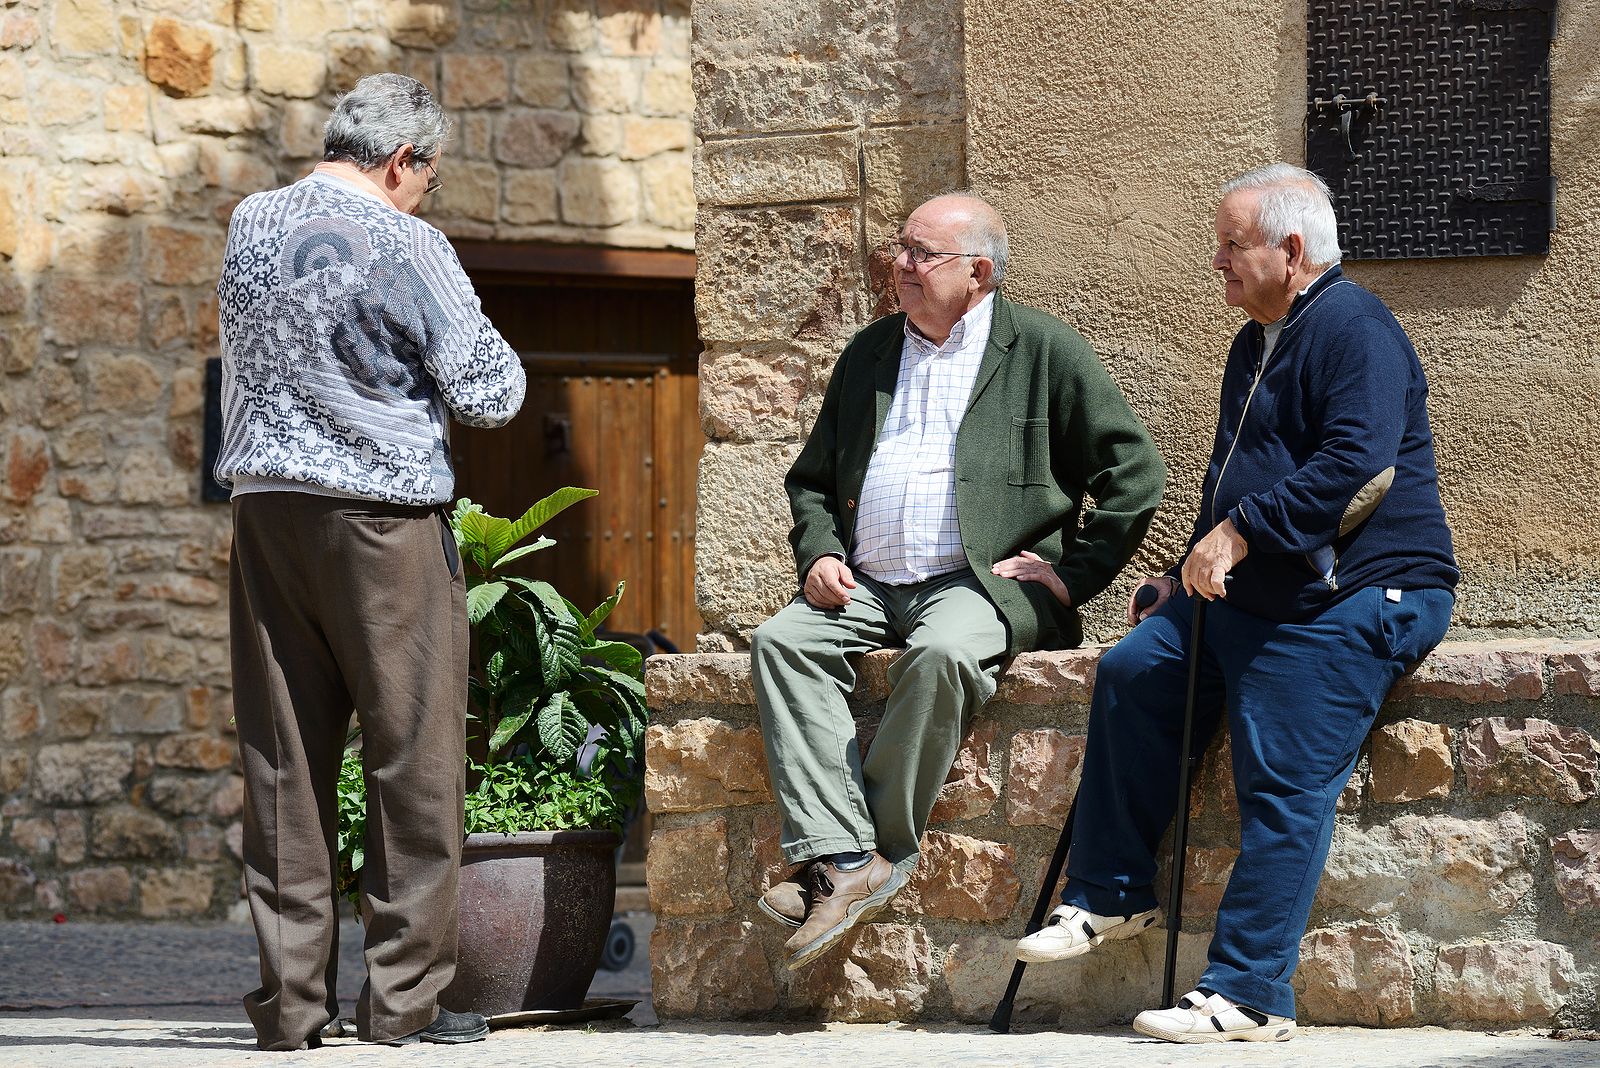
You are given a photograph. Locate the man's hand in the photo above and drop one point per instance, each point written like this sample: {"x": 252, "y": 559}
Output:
{"x": 1030, "y": 567}
{"x": 1164, "y": 586}
{"x": 1208, "y": 564}
{"x": 828, "y": 583}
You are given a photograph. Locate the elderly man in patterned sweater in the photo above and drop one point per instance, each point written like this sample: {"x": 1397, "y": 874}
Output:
{"x": 350, "y": 337}
{"x": 940, "y": 501}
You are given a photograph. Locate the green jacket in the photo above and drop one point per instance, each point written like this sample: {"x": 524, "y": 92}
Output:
{"x": 1045, "y": 427}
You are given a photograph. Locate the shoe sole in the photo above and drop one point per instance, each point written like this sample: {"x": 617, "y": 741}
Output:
{"x": 863, "y": 911}
{"x": 1270, "y": 1033}
{"x": 1113, "y": 934}
{"x": 789, "y": 922}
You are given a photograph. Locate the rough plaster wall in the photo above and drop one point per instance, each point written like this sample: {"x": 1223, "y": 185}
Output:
{"x": 1102, "y": 132}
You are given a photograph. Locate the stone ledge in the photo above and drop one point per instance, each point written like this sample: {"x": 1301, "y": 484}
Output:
{"x": 1460, "y": 889}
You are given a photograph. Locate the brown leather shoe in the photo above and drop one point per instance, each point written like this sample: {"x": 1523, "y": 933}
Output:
{"x": 788, "y": 901}
{"x": 839, "y": 901}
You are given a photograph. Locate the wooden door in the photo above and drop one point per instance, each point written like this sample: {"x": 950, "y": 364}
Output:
{"x": 610, "y": 347}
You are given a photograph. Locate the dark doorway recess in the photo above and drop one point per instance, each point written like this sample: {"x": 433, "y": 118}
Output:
{"x": 609, "y": 343}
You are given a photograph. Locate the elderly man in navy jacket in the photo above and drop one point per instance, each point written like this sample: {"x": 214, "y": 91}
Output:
{"x": 1322, "y": 546}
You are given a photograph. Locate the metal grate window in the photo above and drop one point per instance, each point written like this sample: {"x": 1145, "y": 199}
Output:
{"x": 1430, "y": 121}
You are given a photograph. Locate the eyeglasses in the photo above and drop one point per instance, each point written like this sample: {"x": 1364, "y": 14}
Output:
{"x": 919, "y": 255}
{"x": 433, "y": 180}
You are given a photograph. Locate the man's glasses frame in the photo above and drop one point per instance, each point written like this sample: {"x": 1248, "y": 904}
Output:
{"x": 918, "y": 255}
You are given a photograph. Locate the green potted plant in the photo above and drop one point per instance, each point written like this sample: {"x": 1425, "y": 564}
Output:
{"x": 557, "y": 717}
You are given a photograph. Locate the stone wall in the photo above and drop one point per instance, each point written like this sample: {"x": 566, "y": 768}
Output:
{"x": 1463, "y": 886}
{"x": 821, "y": 124}
{"x": 128, "y": 131}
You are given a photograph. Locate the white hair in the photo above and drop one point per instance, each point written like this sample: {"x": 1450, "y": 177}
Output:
{"x": 1293, "y": 201}
{"x": 983, "y": 233}
{"x": 383, "y": 112}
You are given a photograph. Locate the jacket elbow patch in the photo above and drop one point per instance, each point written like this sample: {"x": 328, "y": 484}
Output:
{"x": 1366, "y": 500}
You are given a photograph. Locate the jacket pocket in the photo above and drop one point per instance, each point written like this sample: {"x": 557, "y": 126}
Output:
{"x": 1030, "y": 452}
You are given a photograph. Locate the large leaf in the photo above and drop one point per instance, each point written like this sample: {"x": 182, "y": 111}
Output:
{"x": 562, "y": 727}
{"x": 598, "y": 616}
{"x": 482, "y": 599}
{"x": 517, "y": 554}
{"x": 620, "y": 655}
{"x": 515, "y": 711}
{"x": 540, "y": 514}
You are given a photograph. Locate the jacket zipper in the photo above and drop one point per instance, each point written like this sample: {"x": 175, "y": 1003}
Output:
{"x": 1261, "y": 370}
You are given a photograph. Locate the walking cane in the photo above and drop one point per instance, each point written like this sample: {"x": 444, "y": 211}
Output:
{"x": 1180, "y": 826}
{"x": 1000, "y": 1022}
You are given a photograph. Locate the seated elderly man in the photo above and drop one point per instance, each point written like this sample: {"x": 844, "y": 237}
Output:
{"x": 939, "y": 502}
{"x": 1322, "y": 548}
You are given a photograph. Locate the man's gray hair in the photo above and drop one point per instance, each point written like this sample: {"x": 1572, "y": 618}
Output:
{"x": 383, "y": 112}
{"x": 1293, "y": 201}
{"x": 983, "y": 234}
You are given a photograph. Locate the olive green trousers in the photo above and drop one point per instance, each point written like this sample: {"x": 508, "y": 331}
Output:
{"x": 834, "y": 798}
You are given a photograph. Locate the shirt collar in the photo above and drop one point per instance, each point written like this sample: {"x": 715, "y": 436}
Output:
{"x": 973, "y": 324}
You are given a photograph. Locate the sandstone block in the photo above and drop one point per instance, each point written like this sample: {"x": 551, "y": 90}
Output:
{"x": 81, "y": 713}
{"x": 1476, "y": 672}
{"x": 970, "y": 791}
{"x": 20, "y": 715}
{"x": 125, "y": 832}
{"x": 1356, "y": 974}
{"x": 14, "y": 771}
{"x": 13, "y": 651}
{"x": 816, "y": 294}
{"x": 1446, "y": 875}
{"x": 51, "y": 522}
{"x": 668, "y": 186}
{"x": 598, "y": 192}
{"x": 175, "y": 892}
{"x": 35, "y": 835}
{"x": 767, "y": 866}
{"x": 767, "y": 169}
{"x": 709, "y": 969}
{"x": 27, "y": 464}
{"x": 644, "y": 137}
{"x": 72, "y": 836}
{"x": 743, "y": 565}
{"x": 698, "y": 679}
{"x": 55, "y": 651}
{"x": 147, "y": 476}
{"x": 312, "y": 20}
{"x": 1043, "y": 770}
{"x": 180, "y": 58}
{"x": 301, "y": 131}
{"x": 751, "y": 394}
{"x": 569, "y": 25}
{"x": 541, "y": 81}
{"x": 605, "y": 85}
{"x": 83, "y": 27}
{"x": 1577, "y": 669}
{"x": 293, "y": 72}
{"x": 180, "y": 795}
{"x": 1049, "y": 678}
{"x": 1411, "y": 760}
{"x": 421, "y": 23}
{"x": 134, "y": 712}
{"x": 1530, "y": 757}
{"x": 686, "y": 869}
{"x": 601, "y": 136}
{"x": 627, "y": 28}
{"x": 474, "y": 80}
{"x": 699, "y": 764}
{"x": 534, "y": 138}
{"x": 17, "y": 882}
{"x": 60, "y": 398}
{"x": 905, "y": 166}
{"x": 81, "y": 311}
{"x": 473, "y": 191}
{"x": 879, "y": 972}
{"x": 58, "y": 101}
{"x": 108, "y": 889}
{"x": 1577, "y": 866}
{"x": 667, "y": 89}
{"x": 1206, "y": 871}
{"x": 82, "y": 773}
{"x": 228, "y": 801}
{"x": 199, "y": 752}
{"x": 106, "y": 662}
{"x": 19, "y": 581}
{"x": 78, "y": 573}
{"x": 962, "y": 878}
{"x": 1521, "y": 981}
{"x": 123, "y": 383}
{"x": 771, "y": 93}
{"x": 181, "y": 256}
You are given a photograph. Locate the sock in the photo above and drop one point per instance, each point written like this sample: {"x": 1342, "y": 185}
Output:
{"x": 849, "y": 861}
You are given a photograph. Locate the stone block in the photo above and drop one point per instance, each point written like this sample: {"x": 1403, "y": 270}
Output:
{"x": 228, "y": 801}
{"x": 20, "y": 715}
{"x": 1411, "y": 760}
{"x": 1206, "y": 871}
{"x": 778, "y": 273}
{"x": 312, "y": 20}
{"x": 175, "y": 892}
{"x": 643, "y": 137}
{"x": 1577, "y": 669}
{"x": 147, "y": 476}
{"x": 17, "y": 882}
{"x": 27, "y": 464}
{"x": 300, "y": 133}
{"x": 108, "y": 889}
{"x": 1044, "y": 767}
{"x": 60, "y": 398}
{"x": 531, "y": 197}
{"x": 180, "y": 795}
{"x": 879, "y": 972}
{"x": 127, "y": 107}
{"x": 969, "y": 792}
{"x": 699, "y": 764}
{"x": 686, "y": 869}
{"x": 78, "y": 573}
{"x": 35, "y": 835}
{"x": 101, "y": 663}
{"x": 198, "y": 752}
{"x": 534, "y": 138}
{"x": 751, "y": 393}
{"x": 598, "y": 192}
{"x": 1576, "y": 855}
{"x": 13, "y": 651}
{"x": 698, "y": 679}
{"x": 709, "y": 970}
{"x": 422, "y": 23}
{"x": 292, "y": 72}
{"x": 20, "y": 571}
{"x": 51, "y": 522}
{"x": 1442, "y": 874}
{"x": 541, "y": 81}
{"x": 124, "y": 832}
{"x": 176, "y": 255}
{"x": 59, "y": 101}
{"x": 123, "y": 383}
{"x": 55, "y": 650}
{"x": 81, "y": 713}
{"x": 768, "y": 93}
{"x": 743, "y": 565}
{"x": 962, "y": 878}
{"x": 627, "y": 28}
{"x": 763, "y": 170}
{"x": 667, "y": 89}
{"x": 83, "y": 27}
{"x": 1358, "y": 973}
{"x": 668, "y": 188}
{"x": 166, "y": 659}
{"x": 72, "y": 836}
{"x": 905, "y": 166}
{"x": 474, "y": 80}
{"x": 1530, "y": 758}
{"x": 14, "y": 771}
{"x": 605, "y": 86}
{"x": 472, "y": 191}
{"x": 82, "y": 773}
{"x": 180, "y": 58}
{"x": 1521, "y": 981}
{"x": 138, "y": 712}
{"x": 82, "y": 311}
{"x": 767, "y": 866}
{"x": 1476, "y": 672}
{"x": 1048, "y": 678}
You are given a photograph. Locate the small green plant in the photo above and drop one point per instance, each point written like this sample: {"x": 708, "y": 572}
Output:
{"x": 561, "y": 711}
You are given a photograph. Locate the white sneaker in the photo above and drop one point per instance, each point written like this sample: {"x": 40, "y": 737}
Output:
{"x": 1071, "y": 932}
{"x": 1197, "y": 1018}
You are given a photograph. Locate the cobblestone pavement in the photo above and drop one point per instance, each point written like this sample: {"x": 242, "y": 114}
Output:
{"x": 167, "y": 996}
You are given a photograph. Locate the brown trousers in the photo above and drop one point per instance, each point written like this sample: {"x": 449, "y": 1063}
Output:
{"x": 341, "y": 606}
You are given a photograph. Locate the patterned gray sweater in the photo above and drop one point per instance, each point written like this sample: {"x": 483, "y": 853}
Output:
{"x": 350, "y": 336}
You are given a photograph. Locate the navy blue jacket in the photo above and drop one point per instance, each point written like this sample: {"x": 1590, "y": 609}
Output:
{"x": 1340, "y": 406}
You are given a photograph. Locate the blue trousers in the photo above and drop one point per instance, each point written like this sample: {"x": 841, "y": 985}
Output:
{"x": 1300, "y": 698}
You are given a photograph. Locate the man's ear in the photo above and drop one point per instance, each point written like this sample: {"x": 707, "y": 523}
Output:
{"x": 400, "y": 162}
{"x": 982, "y": 271}
{"x": 1294, "y": 247}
